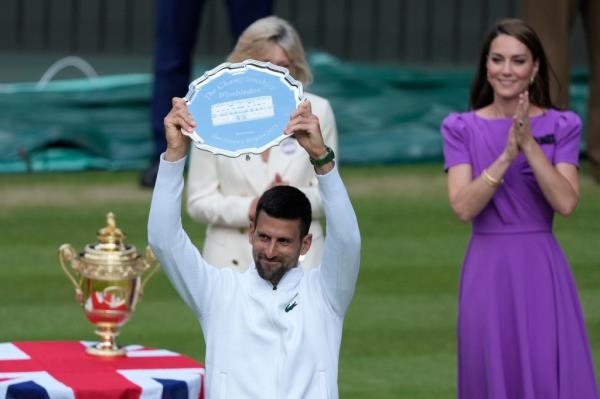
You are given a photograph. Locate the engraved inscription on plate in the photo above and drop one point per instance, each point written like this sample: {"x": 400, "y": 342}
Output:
{"x": 247, "y": 109}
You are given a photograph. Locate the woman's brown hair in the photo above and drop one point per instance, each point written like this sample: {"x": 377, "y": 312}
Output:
{"x": 482, "y": 93}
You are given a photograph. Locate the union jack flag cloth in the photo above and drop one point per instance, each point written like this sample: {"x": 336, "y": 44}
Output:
{"x": 63, "y": 370}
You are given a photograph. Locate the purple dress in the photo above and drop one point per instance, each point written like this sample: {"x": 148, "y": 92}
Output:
{"x": 521, "y": 333}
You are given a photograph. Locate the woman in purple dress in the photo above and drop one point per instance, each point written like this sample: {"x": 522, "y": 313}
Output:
{"x": 512, "y": 163}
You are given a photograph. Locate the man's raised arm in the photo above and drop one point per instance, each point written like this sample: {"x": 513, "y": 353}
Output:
{"x": 180, "y": 259}
{"x": 341, "y": 256}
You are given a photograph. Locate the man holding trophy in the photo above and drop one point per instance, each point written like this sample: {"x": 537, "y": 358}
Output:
{"x": 273, "y": 331}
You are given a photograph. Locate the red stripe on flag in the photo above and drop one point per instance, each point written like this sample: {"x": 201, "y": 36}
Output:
{"x": 90, "y": 377}
{"x": 70, "y": 364}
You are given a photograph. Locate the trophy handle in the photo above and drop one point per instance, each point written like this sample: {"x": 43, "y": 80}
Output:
{"x": 152, "y": 266}
{"x": 66, "y": 253}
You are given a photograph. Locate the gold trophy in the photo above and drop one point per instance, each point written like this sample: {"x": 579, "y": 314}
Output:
{"x": 108, "y": 282}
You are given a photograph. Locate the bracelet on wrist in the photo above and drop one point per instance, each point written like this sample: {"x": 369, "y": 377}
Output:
{"x": 489, "y": 180}
{"x": 329, "y": 156}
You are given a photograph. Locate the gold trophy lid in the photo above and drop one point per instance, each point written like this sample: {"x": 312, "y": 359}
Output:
{"x": 111, "y": 238}
{"x": 109, "y": 258}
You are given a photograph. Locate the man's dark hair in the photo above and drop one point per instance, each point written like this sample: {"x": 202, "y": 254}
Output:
{"x": 286, "y": 202}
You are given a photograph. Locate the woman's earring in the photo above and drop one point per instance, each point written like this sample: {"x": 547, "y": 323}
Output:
{"x": 531, "y": 80}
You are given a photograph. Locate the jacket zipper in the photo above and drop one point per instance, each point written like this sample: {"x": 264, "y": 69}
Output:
{"x": 277, "y": 327}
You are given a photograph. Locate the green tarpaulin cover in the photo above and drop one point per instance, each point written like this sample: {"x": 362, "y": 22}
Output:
{"x": 384, "y": 115}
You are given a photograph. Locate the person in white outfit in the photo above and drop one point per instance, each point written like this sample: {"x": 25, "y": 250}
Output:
{"x": 274, "y": 330}
{"x": 222, "y": 191}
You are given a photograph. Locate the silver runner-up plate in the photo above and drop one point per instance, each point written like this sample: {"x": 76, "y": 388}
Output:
{"x": 242, "y": 108}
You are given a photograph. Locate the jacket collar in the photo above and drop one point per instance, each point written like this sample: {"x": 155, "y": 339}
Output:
{"x": 289, "y": 281}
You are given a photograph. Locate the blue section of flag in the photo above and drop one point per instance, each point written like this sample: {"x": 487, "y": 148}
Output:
{"x": 26, "y": 390}
{"x": 173, "y": 389}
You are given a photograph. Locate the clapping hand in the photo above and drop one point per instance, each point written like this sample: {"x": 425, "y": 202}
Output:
{"x": 520, "y": 131}
{"x": 277, "y": 181}
{"x": 521, "y": 125}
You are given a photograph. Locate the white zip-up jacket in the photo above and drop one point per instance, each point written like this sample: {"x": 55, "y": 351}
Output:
{"x": 262, "y": 342}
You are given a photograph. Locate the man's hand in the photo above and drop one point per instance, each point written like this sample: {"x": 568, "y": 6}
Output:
{"x": 304, "y": 125}
{"x": 178, "y": 119}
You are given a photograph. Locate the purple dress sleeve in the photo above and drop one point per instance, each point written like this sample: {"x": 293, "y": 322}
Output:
{"x": 568, "y": 134}
{"x": 455, "y": 141}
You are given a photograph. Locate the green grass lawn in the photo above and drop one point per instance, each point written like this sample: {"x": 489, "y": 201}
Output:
{"x": 399, "y": 336}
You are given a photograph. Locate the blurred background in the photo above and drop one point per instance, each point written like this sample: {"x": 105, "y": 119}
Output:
{"x": 392, "y": 70}
{"x": 423, "y": 32}
{"x": 73, "y": 144}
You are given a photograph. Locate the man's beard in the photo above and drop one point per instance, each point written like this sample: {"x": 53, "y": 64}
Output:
{"x": 271, "y": 273}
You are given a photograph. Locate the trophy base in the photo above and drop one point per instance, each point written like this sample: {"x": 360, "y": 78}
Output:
{"x": 107, "y": 346}
{"x": 98, "y": 350}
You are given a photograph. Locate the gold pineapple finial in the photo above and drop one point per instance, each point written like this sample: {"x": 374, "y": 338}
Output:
{"x": 111, "y": 234}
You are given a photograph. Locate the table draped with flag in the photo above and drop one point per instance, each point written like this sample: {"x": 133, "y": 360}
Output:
{"x": 63, "y": 370}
